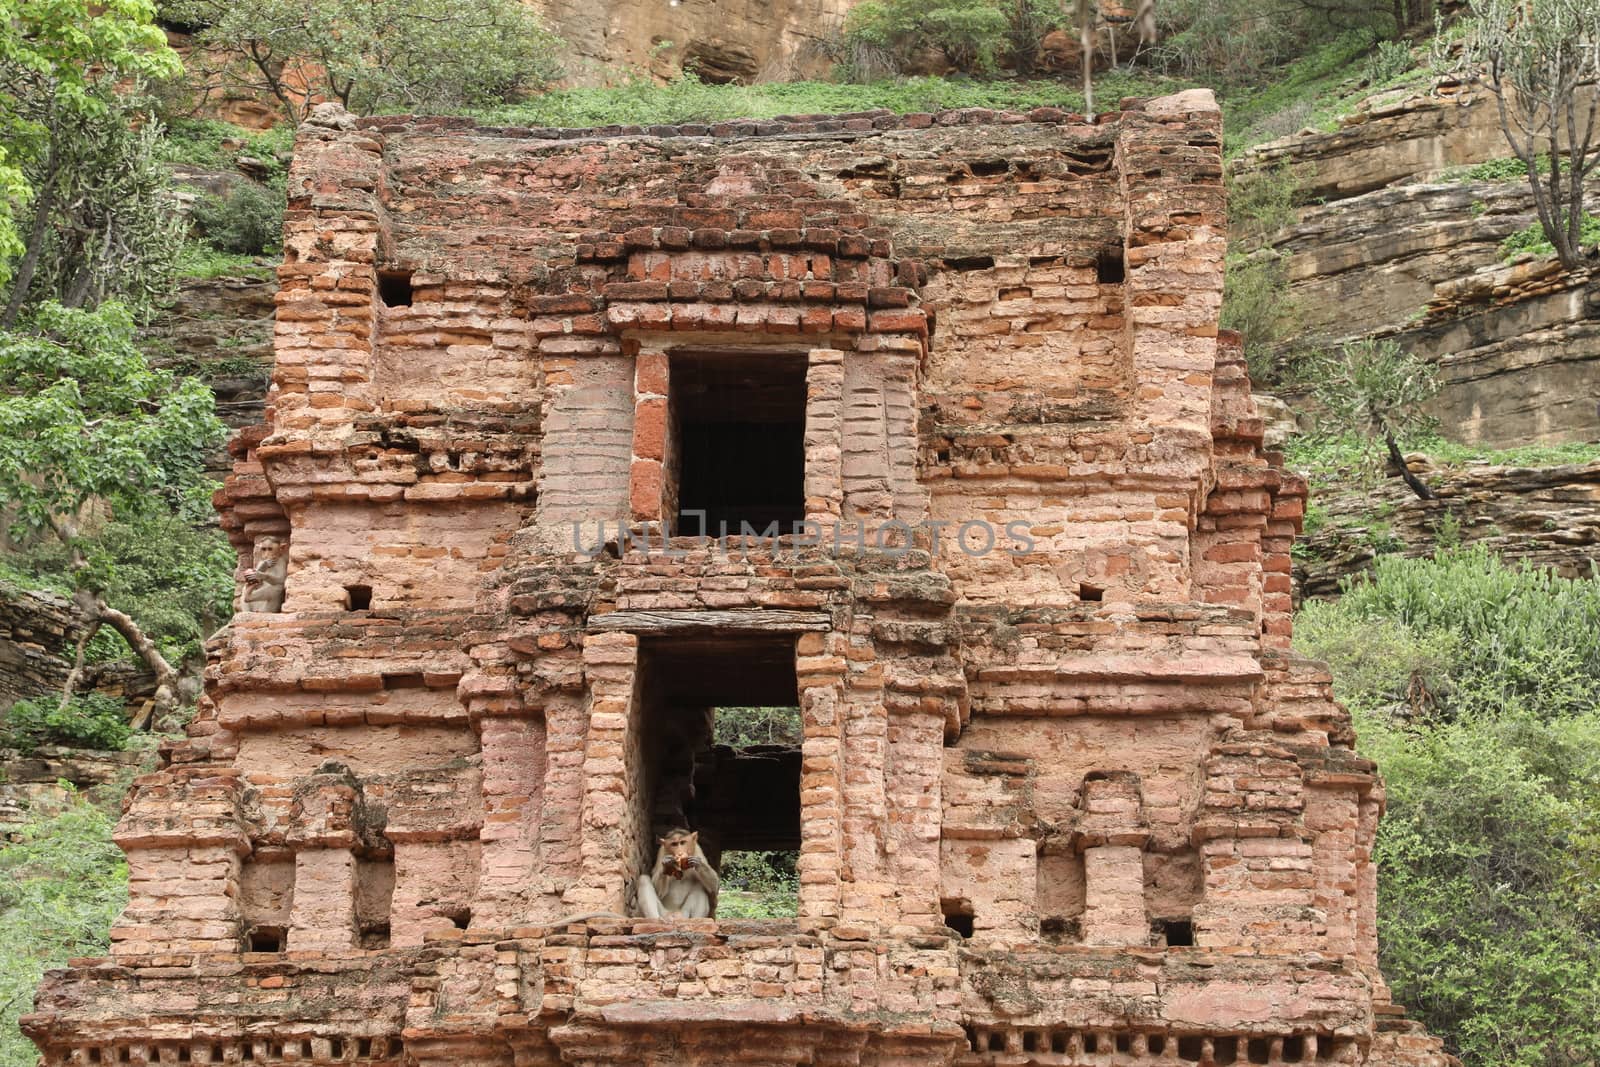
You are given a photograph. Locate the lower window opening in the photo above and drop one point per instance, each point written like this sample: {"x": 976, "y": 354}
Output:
{"x": 1108, "y": 267}
{"x": 720, "y": 732}
{"x": 358, "y": 597}
{"x": 375, "y": 935}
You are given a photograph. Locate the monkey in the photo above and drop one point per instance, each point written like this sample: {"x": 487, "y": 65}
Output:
{"x": 682, "y": 884}
{"x": 263, "y": 583}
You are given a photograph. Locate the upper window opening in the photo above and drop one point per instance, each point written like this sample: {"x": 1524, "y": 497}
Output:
{"x": 740, "y": 423}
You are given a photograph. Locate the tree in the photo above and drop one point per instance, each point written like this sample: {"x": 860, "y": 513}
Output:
{"x": 408, "y": 55}
{"x": 1376, "y": 390}
{"x": 969, "y": 33}
{"x": 85, "y": 420}
{"x": 1541, "y": 61}
{"x": 61, "y": 65}
{"x": 106, "y": 223}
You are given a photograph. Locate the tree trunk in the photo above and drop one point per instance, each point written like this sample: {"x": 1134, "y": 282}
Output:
{"x": 166, "y": 696}
{"x": 75, "y": 675}
{"x": 1086, "y": 38}
{"x": 42, "y": 207}
{"x": 97, "y": 613}
{"x": 1418, "y": 486}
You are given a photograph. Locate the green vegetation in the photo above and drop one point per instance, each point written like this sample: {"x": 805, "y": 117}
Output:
{"x": 1508, "y": 169}
{"x": 758, "y": 885}
{"x": 389, "y": 55}
{"x": 222, "y": 146}
{"x": 687, "y": 99}
{"x": 1374, "y": 392}
{"x": 1336, "y": 457}
{"x": 62, "y": 882}
{"x": 1475, "y": 687}
{"x": 1533, "y": 239}
{"x": 1260, "y": 202}
{"x": 1256, "y": 302}
{"x": 88, "y": 720}
{"x": 200, "y": 260}
{"x": 66, "y": 67}
{"x": 85, "y": 420}
{"x": 743, "y": 727}
{"x": 1314, "y": 90}
{"x": 248, "y": 221}
{"x": 970, "y": 33}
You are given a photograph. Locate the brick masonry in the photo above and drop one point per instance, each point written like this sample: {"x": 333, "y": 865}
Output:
{"x": 1076, "y": 804}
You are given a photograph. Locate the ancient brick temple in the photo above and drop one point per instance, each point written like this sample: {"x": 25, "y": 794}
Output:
{"x": 1062, "y": 795}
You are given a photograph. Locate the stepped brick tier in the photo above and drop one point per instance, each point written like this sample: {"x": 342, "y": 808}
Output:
{"x": 1062, "y": 793}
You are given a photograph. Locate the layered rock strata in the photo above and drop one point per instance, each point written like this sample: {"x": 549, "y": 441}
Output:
{"x": 1385, "y": 248}
{"x": 1063, "y": 795}
{"x": 1538, "y": 516}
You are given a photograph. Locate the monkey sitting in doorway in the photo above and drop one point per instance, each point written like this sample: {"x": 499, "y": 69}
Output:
{"x": 682, "y": 884}
{"x": 264, "y": 582}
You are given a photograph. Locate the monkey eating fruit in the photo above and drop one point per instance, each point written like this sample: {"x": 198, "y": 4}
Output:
{"x": 682, "y": 884}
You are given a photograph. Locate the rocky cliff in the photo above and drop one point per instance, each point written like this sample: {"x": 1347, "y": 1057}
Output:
{"x": 1547, "y": 516}
{"x": 721, "y": 40}
{"x": 1388, "y": 246}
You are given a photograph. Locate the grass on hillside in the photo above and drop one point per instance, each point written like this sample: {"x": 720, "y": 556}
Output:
{"x": 220, "y": 145}
{"x": 1315, "y": 90}
{"x": 1333, "y": 458}
{"x": 643, "y": 103}
{"x": 200, "y": 260}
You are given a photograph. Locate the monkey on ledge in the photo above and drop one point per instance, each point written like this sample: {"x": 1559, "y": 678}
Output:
{"x": 682, "y": 884}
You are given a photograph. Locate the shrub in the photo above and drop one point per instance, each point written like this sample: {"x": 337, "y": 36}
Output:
{"x": 1255, "y": 301}
{"x": 742, "y": 727}
{"x": 249, "y": 221}
{"x": 62, "y": 883}
{"x": 1389, "y": 60}
{"x": 1490, "y": 848}
{"x": 1512, "y": 640}
{"x": 970, "y": 33}
{"x": 758, "y": 885}
{"x": 90, "y": 720}
{"x": 1533, "y": 239}
{"x": 1487, "y": 922}
{"x": 406, "y": 55}
{"x": 1261, "y": 202}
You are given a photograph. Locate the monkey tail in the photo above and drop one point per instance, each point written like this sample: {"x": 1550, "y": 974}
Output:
{"x": 568, "y": 920}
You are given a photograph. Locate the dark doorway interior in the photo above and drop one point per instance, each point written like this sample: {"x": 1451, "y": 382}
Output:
{"x": 740, "y": 419}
